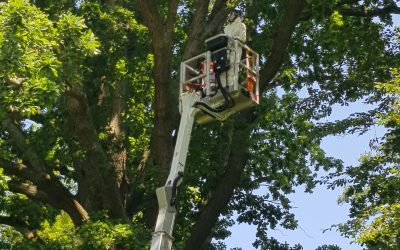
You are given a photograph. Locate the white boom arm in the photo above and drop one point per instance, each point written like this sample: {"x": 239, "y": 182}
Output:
{"x": 162, "y": 237}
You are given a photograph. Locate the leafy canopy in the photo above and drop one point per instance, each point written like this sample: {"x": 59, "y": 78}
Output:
{"x": 89, "y": 102}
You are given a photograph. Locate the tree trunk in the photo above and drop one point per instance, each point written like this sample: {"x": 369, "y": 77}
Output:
{"x": 97, "y": 172}
{"x": 161, "y": 141}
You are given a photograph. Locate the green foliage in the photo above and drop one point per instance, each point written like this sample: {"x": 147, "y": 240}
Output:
{"x": 371, "y": 188}
{"x": 328, "y": 247}
{"x": 332, "y": 59}
{"x": 391, "y": 119}
{"x": 95, "y": 234}
{"x": 76, "y": 43}
{"x": 27, "y": 44}
{"x": 35, "y": 52}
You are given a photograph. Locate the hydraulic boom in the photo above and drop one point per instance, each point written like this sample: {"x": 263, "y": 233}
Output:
{"x": 166, "y": 195}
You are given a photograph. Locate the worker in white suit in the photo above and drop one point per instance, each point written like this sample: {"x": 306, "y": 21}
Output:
{"x": 236, "y": 30}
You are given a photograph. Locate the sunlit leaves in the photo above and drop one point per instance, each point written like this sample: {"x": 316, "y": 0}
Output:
{"x": 29, "y": 65}
{"x": 60, "y": 233}
{"x": 337, "y": 19}
{"x": 384, "y": 230}
{"x": 76, "y": 43}
{"x": 38, "y": 55}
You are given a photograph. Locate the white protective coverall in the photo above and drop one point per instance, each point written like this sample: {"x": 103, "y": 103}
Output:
{"x": 236, "y": 30}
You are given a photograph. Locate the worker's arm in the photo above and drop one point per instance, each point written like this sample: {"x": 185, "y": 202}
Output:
{"x": 241, "y": 34}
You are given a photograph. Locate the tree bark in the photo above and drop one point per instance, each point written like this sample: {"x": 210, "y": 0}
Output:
{"x": 45, "y": 188}
{"x": 53, "y": 194}
{"x": 119, "y": 153}
{"x": 161, "y": 33}
{"x": 100, "y": 175}
{"x": 161, "y": 36}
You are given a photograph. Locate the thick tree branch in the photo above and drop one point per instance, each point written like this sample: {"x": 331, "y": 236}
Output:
{"x": 219, "y": 5}
{"x": 53, "y": 194}
{"x": 20, "y": 140}
{"x": 52, "y": 191}
{"x": 217, "y": 21}
{"x": 162, "y": 48}
{"x": 160, "y": 32}
{"x": 161, "y": 139}
{"x": 171, "y": 16}
{"x": 281, "y": 42}
{"x": 45, "y": 188}
{"x": 362, "y": 12}
{"x": 20, "y": 170}
{"x": 222, "y": 194}
{"x": 119, "y": 153}
{"x": 29, "y": 190}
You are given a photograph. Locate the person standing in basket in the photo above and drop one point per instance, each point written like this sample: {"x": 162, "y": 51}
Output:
{"x": 235, "y": 29}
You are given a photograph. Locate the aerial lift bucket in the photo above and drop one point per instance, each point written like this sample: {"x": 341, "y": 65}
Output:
{"x": 199, "y": 74}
